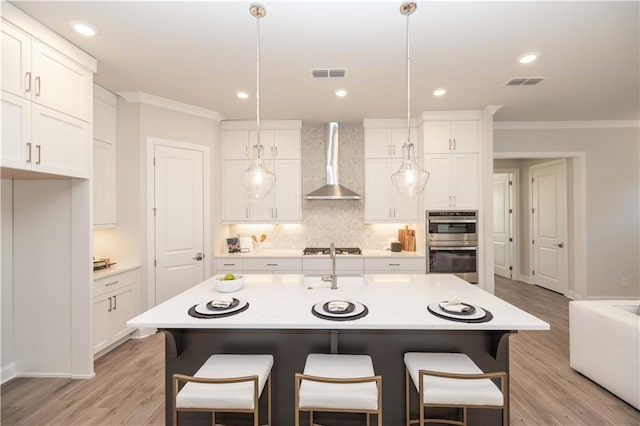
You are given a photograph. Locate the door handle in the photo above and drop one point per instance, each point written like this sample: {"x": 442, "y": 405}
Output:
{"x": 199, "y": 256}
{"x": 559, "y": 245}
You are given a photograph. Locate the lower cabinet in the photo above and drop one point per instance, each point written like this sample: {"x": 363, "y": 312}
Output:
{"x": 273, "y": 265}
{"x": 113, "y": 305}
{"x": 395, "y": 265}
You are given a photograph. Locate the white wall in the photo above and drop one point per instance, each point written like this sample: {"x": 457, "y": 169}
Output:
{"x": 612, "y": 198}
{"x": 7, "y": 351}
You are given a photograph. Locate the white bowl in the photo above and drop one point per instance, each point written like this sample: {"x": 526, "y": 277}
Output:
{"x": 228, "y": 286}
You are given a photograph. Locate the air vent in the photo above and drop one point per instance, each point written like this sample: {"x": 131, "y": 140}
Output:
{"x": 531, "y": 81}
{"x": 328, "y": 73}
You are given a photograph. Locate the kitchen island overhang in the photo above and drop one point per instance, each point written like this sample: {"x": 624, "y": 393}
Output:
{"x": 279, "y": 321}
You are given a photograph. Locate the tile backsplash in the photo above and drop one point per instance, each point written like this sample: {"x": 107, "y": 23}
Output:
{"x": 324, "y": 221}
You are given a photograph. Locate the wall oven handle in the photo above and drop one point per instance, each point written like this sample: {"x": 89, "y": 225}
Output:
{"x": 453, "y": 221}
{"x": 468, "y": 248}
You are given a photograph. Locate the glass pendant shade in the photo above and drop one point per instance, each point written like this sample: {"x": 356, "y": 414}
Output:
{"x": 257, "y": 179}
{"x": 410, "y": 180}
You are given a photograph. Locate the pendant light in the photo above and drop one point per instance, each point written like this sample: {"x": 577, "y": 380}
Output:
{"x": 410, "y": 180}
{"x": 257, "y": 179}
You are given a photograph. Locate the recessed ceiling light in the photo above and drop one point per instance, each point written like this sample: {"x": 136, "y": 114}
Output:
{"x": 242, "y": 95}
{"x": 439, "y": 92}
{"x": 84, "y": 28}
{"x": 527, "y": 58}
{"x": 341, "y": 93}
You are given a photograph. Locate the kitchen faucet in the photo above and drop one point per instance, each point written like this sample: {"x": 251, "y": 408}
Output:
{"x": 333, "y": 277}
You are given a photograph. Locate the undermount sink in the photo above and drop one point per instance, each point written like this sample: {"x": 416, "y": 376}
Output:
{"x": 313, "y": 282}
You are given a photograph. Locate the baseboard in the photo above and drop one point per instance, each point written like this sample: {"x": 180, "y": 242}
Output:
{"x": 571, "y": 294}
{"x": 143, "y": 333}
{"x": 45, "y": 375}
{"x": 83, "y": 376}
{"x": 7, "y": 372}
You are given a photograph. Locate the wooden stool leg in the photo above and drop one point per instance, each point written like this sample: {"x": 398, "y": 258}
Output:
{"x": 213, "y": 418}
{"x": 310, "y": 418}
{"x": 368, "y": 419}
{"x": 464, "y": 416}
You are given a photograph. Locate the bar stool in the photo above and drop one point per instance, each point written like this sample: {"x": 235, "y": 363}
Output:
{"x": 338, "y": 383}
{"x": 452, "y": 380}
{"x": 225, "y": 383}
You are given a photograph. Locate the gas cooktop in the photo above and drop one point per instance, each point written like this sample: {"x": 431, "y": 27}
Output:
{"x": 325, "y": 250}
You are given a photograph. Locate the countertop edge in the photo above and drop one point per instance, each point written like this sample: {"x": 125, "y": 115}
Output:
{"x": 118, "y": 269}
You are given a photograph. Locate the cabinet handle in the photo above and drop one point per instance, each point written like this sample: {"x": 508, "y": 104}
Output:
{"x": 390, "y": 212}
{"x": 454, "y": 201}
{"x": 228, "y": 264}
{"x": 276, "y": 148}
{"x": 449, "y": 144}
{"x": 394, "y": 149}
{"x": 394, "y": 212}
{"x": 246, "y": 212}
{"x": 38, "y": 86}
{"x": 272, "y": 264}
{"x": 276, "y": 212}
{"x": 27, "y": 77}
{"x": 450, "y": 201}
{"x": 454, "y": 144}
{"x": 393, "y": 264}
{"x": 37, "y": 154}
{"x": 115, "y": 302}
{"x": 246, "y": 151}
{"x": 112, "y": 283}
{"x": 110, "y": 305}
{"x": 28, "y": 152}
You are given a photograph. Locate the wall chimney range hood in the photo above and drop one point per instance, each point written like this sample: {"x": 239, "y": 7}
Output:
{"x": 332, "y": 190}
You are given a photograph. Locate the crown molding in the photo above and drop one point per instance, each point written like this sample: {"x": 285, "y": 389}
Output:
{"x": 157, "y": 101}
{"x": 539, "y": 125}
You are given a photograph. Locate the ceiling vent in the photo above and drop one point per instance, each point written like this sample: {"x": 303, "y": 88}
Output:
{"x": 531, "y": 81}
{"x": 328, "y": 73}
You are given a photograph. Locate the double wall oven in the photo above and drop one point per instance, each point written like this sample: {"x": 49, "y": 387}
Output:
{"x": 452, "y": 243}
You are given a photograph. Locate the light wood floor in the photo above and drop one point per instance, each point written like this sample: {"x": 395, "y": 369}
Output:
{"x": 129, "y": 388}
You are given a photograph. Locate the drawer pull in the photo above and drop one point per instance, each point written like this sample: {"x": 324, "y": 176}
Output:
{"x": 272, "y": 264}
{"x": 394, "y": 264}
{"x": 228, "y": 264}
{"x": 112, "y": 283}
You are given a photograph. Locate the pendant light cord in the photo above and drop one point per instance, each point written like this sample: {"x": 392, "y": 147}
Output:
{"x": 408, "y": 85}
{"x": 258, "y": 77}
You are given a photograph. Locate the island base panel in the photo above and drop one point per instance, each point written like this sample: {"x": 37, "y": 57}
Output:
{"x": 187, "y": 349}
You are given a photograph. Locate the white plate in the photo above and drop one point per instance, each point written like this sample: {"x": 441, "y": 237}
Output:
{"x": 479, "y": 313}
{"x": 357, "y": 310}
{"x": 204, "y": 310}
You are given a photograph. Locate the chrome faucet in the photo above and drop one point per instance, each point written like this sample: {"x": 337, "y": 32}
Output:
{"x": 333, "y": 277}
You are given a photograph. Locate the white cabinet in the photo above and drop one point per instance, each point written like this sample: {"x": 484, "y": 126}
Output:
{"x": 321, "y": 265}
{"x": 453, "y": 181}
{"x": 225, "y": 264}
{"x": 383, "y": 156}
{"x": 273, "y": 265}
{"x": 282, "y": 150}
{"x": 47, "y": 108}
{"x": 394, "y": 265}
{"x": 451, "y": 137}
{"x": 104, "y": 158}
{"x": 113, "y": 305}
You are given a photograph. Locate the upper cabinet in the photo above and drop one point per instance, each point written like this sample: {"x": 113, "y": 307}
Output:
{"x": 383, "y": 156}
{"x": 451, "y": 137}
{"x": 282, "y": 154}
{"x": 104, "y": 158}
{"x": 47, "y": 100}
{"x": 451, "y": 156}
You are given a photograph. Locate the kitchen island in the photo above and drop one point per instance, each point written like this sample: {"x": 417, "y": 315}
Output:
{"x": 279, "y": 321}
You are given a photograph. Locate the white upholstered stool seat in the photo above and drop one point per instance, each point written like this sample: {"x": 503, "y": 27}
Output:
{"x": 225, "y": 383}
{"x": 452, "y": 380}
{"x": 338, "y": 383}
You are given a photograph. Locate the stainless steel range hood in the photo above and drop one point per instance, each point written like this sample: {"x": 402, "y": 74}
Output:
{"x": 332, "y": 190}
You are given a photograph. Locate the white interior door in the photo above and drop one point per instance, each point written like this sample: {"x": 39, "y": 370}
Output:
{"x": 179, "y": 220}
{"x": 502, "y": 225}
{"x": 549, "y": 225}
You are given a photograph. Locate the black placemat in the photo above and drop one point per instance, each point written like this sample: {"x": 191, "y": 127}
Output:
{"x": 488, "y": 317}
{"x": 192, "y": 311}
{"x": 331, "y": 318}
{"x": 350, "y": 308}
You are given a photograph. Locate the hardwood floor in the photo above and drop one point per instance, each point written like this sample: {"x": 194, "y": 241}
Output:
{"x": 129, "y": 388}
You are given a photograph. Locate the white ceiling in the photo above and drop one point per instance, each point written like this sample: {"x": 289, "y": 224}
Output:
{"x": 201, "y": 53}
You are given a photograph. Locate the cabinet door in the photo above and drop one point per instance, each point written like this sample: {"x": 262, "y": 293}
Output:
{"x": 377, "y": 143}
{"x": 437, "y": 137}
{"x": 235, "y": 144}
{"x": 465, "y": 136}
{"x": 17, "y": 150}
{"x": 102, "y": 307}
{"x": 287, "y": 144}
{"x": 399, "y": 138}
{"x": 405, "y": 208}
{"x": 16, "y": 61}
{"x": 262, "y": 209}
{"x": 61, "y": 143}
{"x": 60, "y": 83}
{"x": 104, "y": 184}
{"x": 104, "y": 115}
{"x": 288, "y": 191}
{"x": 267, "y": 139}
{"x": 438, "y": 191}
{"x": 123, "y": 311}
{"x": 235, "y": 200}
{"x": 377, "y": 199}
{"x": 465, "y": 181}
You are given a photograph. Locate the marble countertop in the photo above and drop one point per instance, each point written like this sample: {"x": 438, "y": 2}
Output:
{"x": 298, "y": 254}
{"x": 395, "y": 302}
{"x": 113, "y": 270}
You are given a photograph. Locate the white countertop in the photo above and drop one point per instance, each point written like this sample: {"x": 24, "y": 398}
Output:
{"x": 298, "y": 254}
{"x": 115, "y": 269}
{"x": 395, "y": 302}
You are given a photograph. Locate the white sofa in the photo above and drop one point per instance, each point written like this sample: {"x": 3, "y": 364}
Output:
{"x": 604, "y": 345}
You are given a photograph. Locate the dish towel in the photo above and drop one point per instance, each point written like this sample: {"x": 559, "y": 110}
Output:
{"x": 337, "y": 306}
{"x": 221, "y": 303}
{"x": 454, "y": 304}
